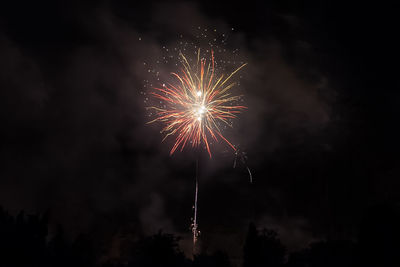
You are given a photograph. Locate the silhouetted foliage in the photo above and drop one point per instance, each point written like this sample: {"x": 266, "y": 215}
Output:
{"x": 263, "y": 248}
{"x": 158, "y": 250}
{"x": 379, "y": 240}
{"x": 217, "y": 259}
{"x": 330, "y": 253}
{"x": 25, "y": 241}
{"x": 22, "y": 239}
{"x": 299, "y": 259}
{"x": 82, "y": 251}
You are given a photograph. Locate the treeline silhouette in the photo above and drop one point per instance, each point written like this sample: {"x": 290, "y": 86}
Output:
{"x": 25, "y": 241}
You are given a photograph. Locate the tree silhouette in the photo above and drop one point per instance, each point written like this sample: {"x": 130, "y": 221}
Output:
{"x": 25, "y": 241}
{"x": 329, "y": 253}
{"x": 82, "y": 252}
{"x": 379, "y": 240}
{"x": 217, "y": 259}
{"x": 158, "y": 250}
{"x": 22, "y": 239}
{"x": 263, "y": 248}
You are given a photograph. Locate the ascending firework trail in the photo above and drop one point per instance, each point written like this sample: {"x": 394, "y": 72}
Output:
{"x": 195, "y": 229}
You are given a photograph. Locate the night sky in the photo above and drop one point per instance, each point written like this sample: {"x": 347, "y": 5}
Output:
{"x": 320, "y": 132}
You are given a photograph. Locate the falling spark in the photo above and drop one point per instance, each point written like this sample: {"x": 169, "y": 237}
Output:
{"x": 197, "y": 105}
{"x": 242, "y": 156}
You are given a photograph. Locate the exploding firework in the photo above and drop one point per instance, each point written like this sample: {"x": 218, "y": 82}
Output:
{"x": 197, "y": 105}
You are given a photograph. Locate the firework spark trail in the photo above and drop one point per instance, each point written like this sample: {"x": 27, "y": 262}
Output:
{"x": 197, "y": 105}
{"x": 250, "y": 175}
{"x": 243, "y": 158}
{"x": 195, "y": 229}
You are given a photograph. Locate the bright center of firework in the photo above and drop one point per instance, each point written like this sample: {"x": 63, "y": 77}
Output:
{"x": 199, "y": 112}
{"x": 198, "y": 93}
{"x": 202, "y": 109}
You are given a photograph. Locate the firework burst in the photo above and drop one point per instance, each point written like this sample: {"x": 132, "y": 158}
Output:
{"x": 197, "y": 105}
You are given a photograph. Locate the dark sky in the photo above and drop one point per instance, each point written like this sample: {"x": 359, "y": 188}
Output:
{"x": 320, "y": 133}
